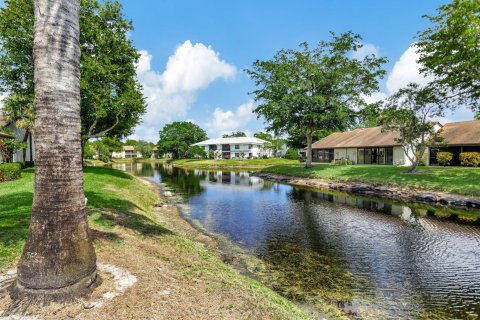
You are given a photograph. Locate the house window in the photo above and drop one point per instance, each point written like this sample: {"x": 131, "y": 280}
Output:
{"x": 237, "y": 147}
{"x": 250, "y": 146}
{"x": 250, "y": 155}
{"x": 237, "y": 155}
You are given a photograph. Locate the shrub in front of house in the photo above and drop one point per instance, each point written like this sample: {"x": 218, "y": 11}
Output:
{"x": 470, "y": 159}
{"x": 291, "y": 154}
{"x": 444, "y": 158}
{"x": 10, "y": 171}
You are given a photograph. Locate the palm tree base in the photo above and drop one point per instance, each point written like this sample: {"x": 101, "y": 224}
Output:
{"x": 78, "y": 287}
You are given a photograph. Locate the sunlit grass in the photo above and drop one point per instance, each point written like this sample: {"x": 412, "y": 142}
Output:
{"x": 460, "y": 180}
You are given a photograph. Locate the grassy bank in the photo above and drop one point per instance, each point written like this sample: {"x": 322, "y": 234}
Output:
{"x": 232, "y": 163}
{"x": 99, "y": 163}
{"x": 459, "y": 180}
{"x": 177, "y": 277}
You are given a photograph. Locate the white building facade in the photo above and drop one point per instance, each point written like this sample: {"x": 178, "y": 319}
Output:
{"x": 127, "y": 152}
{"x": 237, "y": 148}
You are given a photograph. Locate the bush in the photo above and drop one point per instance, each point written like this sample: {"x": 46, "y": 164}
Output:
{"x": 470, "y": 159}
{"x": 10, "y": 171}
{"x": 291, "y": 154}
{"x": 444, "y": 158}
{"x": 104, "y": 158}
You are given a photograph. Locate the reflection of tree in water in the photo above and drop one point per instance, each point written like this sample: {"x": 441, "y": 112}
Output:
{"x": 188, "y": 182}
{"x": 143, "y": 169}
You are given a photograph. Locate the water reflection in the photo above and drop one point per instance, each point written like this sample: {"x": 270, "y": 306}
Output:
{"x": 370, "y": 256}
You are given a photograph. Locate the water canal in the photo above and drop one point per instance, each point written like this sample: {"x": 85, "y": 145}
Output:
{"x": 374, "y": 258}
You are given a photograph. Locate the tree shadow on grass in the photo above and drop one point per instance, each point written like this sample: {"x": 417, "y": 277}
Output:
{"x": 122, "y": 214}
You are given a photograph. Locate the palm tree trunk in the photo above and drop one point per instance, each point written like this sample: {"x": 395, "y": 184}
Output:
{"x": 59, "y": 255}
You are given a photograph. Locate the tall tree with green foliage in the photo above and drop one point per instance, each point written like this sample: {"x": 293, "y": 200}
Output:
{"x": 410, "y": 112}
{"x": 111, "y": 98}
{"x": 312, "y": 89}
{"x": 450, "y": 51}
{"x": 177, "y": 137}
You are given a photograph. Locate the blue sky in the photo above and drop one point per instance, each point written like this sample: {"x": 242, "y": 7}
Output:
{"x": 194, "y": 52}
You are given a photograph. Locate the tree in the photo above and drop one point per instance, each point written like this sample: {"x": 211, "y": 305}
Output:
{"x": 9, "y": 146}
{"x": 450, "y": 52}
{"x": 177, "y": 137}
{"x": 58, "y": 255}
{"x": 370, "y": 116}
{"x": 316, "y": 88}
{"x": 196, "y": 152}
{"x": 145, "y": 148}
{"x": 111, "y": 98}
{"x": 275, "y": 143}
{"x": 409, "y": 112}
{"x": 234, "y": 134}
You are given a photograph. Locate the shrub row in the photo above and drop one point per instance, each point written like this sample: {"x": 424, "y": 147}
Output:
{"x": 467, "y": 159}
{"x": 9, "y": 171}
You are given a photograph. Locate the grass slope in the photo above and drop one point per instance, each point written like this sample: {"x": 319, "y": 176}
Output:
{"x": 459, "y": 180}
{"x": 178, "y": 278}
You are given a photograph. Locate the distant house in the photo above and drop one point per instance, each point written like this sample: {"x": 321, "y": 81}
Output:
{"x": 237, "y": 147}
{"x": 459, "y": 137}
{"x": 375, "y": 146}
{"x": 127, "y": 152}
{"x": 20, "y": 133}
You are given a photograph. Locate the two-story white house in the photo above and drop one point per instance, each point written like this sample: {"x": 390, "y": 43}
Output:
{"x": 127, "y": 152}
{"x": 237, "y": 147}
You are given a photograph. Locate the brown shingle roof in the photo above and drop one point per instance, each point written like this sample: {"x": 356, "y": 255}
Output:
{"x": 128, "y": 148}
{"x": 462, "y": 133}
{"x": 367, "y": 137}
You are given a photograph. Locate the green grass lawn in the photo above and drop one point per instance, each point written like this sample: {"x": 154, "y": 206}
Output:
{"x": 252, "y": 163}
{"x": 104, "y": 188}
{"x": 449, "y": 179}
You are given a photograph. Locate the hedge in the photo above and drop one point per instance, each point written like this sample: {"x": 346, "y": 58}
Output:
{"x": 9, "y": 171}
{"x": 470, "y": 159}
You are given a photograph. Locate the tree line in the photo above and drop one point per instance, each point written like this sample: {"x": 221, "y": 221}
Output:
{"x": 310, "y": 92}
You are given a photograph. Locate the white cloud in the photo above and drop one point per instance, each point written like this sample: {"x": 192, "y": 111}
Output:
{"x": 191, "y": 68}
{"x": 366, "y": 50}
{"x": 405, "y": 71}
{"x": 227, "y": 121}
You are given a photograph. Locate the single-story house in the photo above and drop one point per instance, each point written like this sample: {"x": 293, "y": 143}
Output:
{"x": 237, "y": 147}
{"x": 20, "y": 134}
{"x": 459, "y": 137}
{"x": 127, "y": 152}
{"x": 375, "y": 146}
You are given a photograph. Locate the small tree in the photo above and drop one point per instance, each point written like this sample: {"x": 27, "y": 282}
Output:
{"x": 9, "y": 146}
{"x": 292, "y": 154}
{"x": 315, "y": 88}
{"x": 444, "y": 158}
{"x": 409, "y": 112}
{"x": 177, "y": 137}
